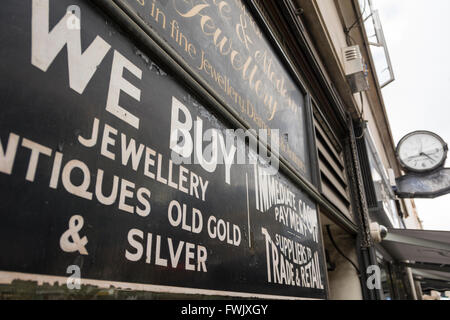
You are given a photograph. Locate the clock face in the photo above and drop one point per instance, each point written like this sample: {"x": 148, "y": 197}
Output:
{"x": 422, "y": 151}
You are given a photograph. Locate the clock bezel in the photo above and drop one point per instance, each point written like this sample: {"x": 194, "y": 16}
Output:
{"x": 438, "y": 165}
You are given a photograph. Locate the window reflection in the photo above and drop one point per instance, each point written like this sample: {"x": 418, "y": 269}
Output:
{"x": 383, "y": 190}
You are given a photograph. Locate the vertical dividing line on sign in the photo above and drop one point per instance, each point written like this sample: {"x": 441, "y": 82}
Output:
{"x": 248, "y": 212}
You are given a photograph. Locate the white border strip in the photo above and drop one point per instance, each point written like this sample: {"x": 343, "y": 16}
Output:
{"x": 7, "y": 277}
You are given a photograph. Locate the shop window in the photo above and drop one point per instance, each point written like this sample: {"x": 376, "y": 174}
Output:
{"x": 379, "y": 194}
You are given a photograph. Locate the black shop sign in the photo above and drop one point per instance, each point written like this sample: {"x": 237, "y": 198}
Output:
{"x": 90, "y": 171}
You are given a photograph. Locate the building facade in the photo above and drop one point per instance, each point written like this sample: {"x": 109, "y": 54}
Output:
{"x": 196, "y": 148}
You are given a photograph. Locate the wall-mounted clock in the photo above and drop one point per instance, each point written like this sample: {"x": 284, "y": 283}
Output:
{"x": 422, "y": 151}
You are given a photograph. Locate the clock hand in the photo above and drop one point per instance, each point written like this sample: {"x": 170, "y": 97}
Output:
{"x": 412, "y": 157}
{"x": 430, "y": 153}
{"x": 426, "y": 155}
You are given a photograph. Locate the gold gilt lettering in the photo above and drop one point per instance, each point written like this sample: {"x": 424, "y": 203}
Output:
{"x": 266, "y": 62}
{"x": 256, "y": 68}
{"x": 242, "y": 33}
{"x": 224, "y": 9}
{"x": 182, "y": 40}
{"x": 249, "y": 70}
{"x": 243, "y": 8}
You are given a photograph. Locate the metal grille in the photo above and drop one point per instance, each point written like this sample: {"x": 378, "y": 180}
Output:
{"x": 333, "y": 176}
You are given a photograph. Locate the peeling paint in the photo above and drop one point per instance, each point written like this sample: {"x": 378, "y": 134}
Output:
{"x": 150, "y": 64}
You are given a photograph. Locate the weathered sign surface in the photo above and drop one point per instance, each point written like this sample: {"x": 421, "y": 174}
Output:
{"x": 89, "y": 175}
{"x": 222, "y": 42}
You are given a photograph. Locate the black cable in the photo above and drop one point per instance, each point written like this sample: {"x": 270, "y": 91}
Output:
{"x": 362, "y": 105}
{"x": 340, "y": 252}
{"x": 362, "y": 117}
{"x": 347, "y": 30}
{"x": 362, "y": 134}
{"x": 352, "y": 41}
